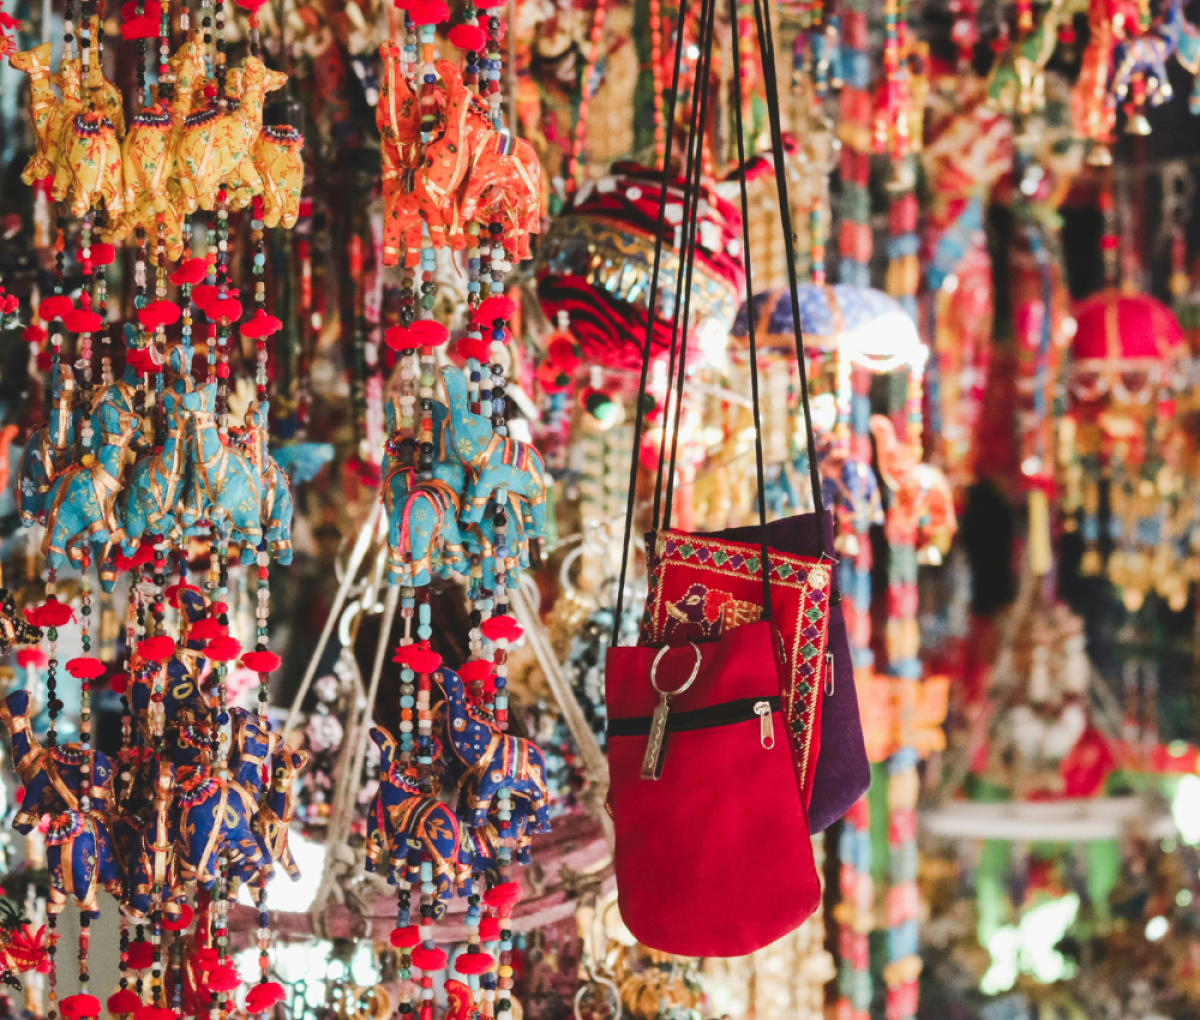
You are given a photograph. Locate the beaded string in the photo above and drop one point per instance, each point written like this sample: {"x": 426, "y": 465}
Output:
{"x": 585, "y": 96}
{"x": 656, "y": 70}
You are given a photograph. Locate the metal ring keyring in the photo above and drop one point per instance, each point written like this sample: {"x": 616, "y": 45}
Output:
{"x": 687, "y": 683}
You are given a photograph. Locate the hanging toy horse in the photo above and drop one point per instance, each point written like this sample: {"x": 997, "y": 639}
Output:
{"x": 277, "y": 809}
{"x": 79, "y": 850}
{"x": 50, "y": 449}
{"x": 422, "y": 513}
{"x": 402, "y": 823}
{"x": 46, "y": 111}
{"x": 82, "y": 503}
{"x": 225, "y": 484}
{"x": 493, "y": 461}
{"x": 215, "y": 149}
{"x": 160, "y": 476}
{"x": 493, "y": 759}
{"x": 218, "y": 816}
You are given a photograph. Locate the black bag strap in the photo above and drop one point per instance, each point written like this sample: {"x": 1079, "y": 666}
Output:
{"x": 677, "y": 368}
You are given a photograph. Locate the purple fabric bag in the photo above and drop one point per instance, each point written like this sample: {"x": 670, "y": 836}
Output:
{"x": 843, "y": 772}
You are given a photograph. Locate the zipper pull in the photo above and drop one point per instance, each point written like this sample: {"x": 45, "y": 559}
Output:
{"x": 829, "y": 674}
{"x": 766, "y": 730}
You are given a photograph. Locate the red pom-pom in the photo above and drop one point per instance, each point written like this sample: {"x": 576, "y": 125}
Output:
{"x": 501, "y": 628}
{"x": 496, "y": 307}
{"x": 477, "y": 670}
{"x": 156, "y": 649}
{"x": 467, "y": 37}
{"x": 144, "y": 360}
{"x": 563, "y": 352}
{"x": 551, "y": 378}
{"x": 418, "y": 657}
{"x": 503, "y": 896}
{"x": 405, "y": 938}
{"x": 192, "y": 271}
{"x": 261, "y": 662}
{"x": 172, "y": 593}
{"x": 489, "y": 5}
{"x": 117, "y": 685}
{"x": 179, "y": 921}
{"x": 76, "y": 1007}
{"x": 427, "y": 333}
{"x": 398, "y": 338}
{"x": 103, "y": 254}
{"x": 424, "y": 958}
{"x": 260, "y": 324}
{"x": 230, "y": 308}
{"x": 155, "y": 1013}
{"x": 54, "y": 307}
{"x": 50, "y": 613}
{"x": 32, "y": 658}
{"x": 223, "y": 649}
{"x": 206, "y": 958}
{"x": 141, "y": 955}
{"x": 489, "y": 929}
{"x": 145, "y": 27}
{"x": 144, "y": 554}
{"x": 262, "y": 997}
{"x": 124, "y": 1001}
{"x": 480, "y": 350}
{"x": 207, "y": 629}
{"x": 223, "y": 978}
{"x": 33, "y": 334}
{"x": 474, "y": 963}
{"x": 428, "y": 12}
{"x": 85, "y": 668}
{"x": 159, "y": 313}
{"x": 82, "y": 320}
{"x": 250, "y": 5}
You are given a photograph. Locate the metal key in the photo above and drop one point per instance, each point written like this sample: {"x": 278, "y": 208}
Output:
{"x": 656, "y": 745}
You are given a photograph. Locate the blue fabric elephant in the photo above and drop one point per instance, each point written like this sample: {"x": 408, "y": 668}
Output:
{"x": 276, "y": 509}
{"x": 494, "y": 463}
{"x": 225, "y": 483}
{"x": 160, "y": 476}
{"x": 50, "y": 450}
{"x": 82, "y": 502}
{"x": 493, "y": 759}
{"x": 423, "y": 513}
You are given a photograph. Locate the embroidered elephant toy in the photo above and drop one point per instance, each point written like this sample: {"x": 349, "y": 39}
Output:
{"x": 493, "y": 462}
{"x": 493, "y": 759}
{"x": 215, "y": 149}
{"x": 422, "y": 513}
{"x": 218, "y": 816}
{"x": 505, "y": 180}
{"x": 89, "y": 168}
{"x": 278, "y": 808}
{"x": 46, "y": 111}
{"x": 276, "y": 154}
{"x": 275, "y": 512}
{"x": 226, "y": 486}
{"x": 79, "y": 851}
{"x": 82, "y": 503}
{"x": 402, "y": 823}
{"x": 50, "y": 449}
{"x": 151, "y": 499}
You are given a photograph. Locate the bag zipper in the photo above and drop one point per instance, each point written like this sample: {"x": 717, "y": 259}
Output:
{"x": 724, "y": 714}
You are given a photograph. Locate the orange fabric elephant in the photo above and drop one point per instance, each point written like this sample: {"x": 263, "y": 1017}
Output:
{"x": 505, "y": 180}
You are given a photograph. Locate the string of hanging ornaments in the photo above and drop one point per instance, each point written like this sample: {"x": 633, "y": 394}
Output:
{"x": 150, "y": 453}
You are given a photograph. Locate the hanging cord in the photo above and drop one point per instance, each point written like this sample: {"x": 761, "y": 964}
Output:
{"x": 687, "y": 254}
{"x": 767, "y": 44}
{"x": 652, "y": 304}
{"x": 758, "y": 451}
